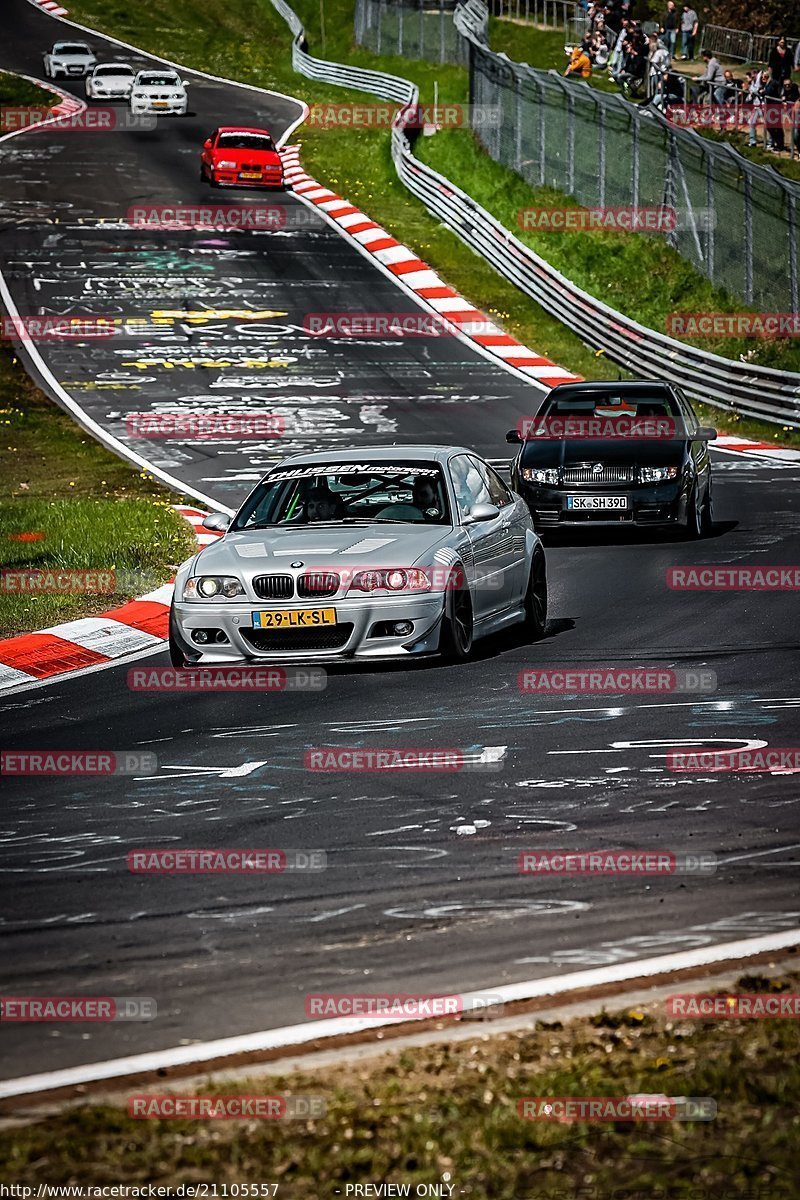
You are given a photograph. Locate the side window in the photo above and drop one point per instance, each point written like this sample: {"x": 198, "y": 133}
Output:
{"x": 688, "y": 413}
{"x": 469, "y": 486}
{"x": 498, "y": 492}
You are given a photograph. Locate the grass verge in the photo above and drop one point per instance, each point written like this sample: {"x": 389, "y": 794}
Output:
{"x": 67, "y": 504}
{"x": 449, "y": 1112}
{"x": 19, "y": 93}
{"x": 250, "y": 42}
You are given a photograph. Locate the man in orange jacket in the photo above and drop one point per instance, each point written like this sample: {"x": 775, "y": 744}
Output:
{"x": 579, "y": 63}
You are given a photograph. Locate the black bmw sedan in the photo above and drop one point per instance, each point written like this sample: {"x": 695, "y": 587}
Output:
{"x": 615, "y": 454}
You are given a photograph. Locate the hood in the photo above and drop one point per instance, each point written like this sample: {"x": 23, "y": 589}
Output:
{"x": 618, "y": 452}
{"x": 320, "y": 547}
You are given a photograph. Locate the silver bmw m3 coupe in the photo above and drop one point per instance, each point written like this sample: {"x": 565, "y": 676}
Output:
{"x": 385, "y": 553}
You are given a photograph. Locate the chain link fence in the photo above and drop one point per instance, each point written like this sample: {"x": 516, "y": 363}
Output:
{"x": 737, "y": 222}
{"x": 421, "y": 29}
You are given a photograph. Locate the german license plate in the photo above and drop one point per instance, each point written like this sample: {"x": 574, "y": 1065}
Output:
{"x": 592, "y": 503}
{"x": 249, "y": 174}
{"x": 294, "y": 618}
{"x": 160, "y": 104}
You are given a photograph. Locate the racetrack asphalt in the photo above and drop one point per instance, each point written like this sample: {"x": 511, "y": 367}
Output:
{"x": 422, "y": 892}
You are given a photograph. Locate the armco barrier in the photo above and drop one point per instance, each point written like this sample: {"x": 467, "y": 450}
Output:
{"x": 755, "y": 391}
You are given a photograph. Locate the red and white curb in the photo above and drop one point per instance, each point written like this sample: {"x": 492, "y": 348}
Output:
{"x": 417, "y": 276}
{"x": 138, "y": 625}
{"x": 763, "y": 450}
{"x": 50, "y": 6}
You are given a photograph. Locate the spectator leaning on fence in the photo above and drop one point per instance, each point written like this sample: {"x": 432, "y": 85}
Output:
{"x": 791, "y": 100}
{"x": 711, "y": 83}
{"x": 690, "y": 23}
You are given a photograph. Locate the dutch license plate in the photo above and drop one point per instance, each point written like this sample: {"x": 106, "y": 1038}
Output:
{"x": 160, "y": 104}
{"x": 583, "y": 503}
{"x": 294, "y": 618}
{"x": 249, "y": 174}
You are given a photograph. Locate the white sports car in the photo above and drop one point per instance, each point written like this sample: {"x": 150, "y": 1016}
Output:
{"x": 69, "y": 60}
{"x": 389, "y": 552}
{"x": 110, "y": 81}
{"x": 158, "y": 91}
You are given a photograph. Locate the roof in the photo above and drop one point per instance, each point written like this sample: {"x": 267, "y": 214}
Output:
{"x": 377, "y": 454}
{"x": 243, "y": 129}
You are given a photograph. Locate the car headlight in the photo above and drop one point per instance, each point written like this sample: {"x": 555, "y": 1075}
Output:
{"x": 176, "y": 96}
{"x": 212, "y": 587}
{"x": 226, "y": 165}
{"x": 395, "y": 579}
{"x": 657, "y": 474}
{"x": 540, "y": 474}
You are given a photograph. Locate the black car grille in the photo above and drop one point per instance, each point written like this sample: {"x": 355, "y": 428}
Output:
{"x": 273, "y": 587}
{"x": 320, "y": 583}
{"x": 328, "y": 637}
{"x": 587, "y": 474}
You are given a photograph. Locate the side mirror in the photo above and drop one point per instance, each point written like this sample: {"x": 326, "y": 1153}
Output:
{"x": 207, "y": 144}
{"x": 706, "y": 433}
{"x": 484, "y": 512}
{"x": 217, "y": 522}
{"x": 186, "y": 82}
{"x": 514, "y": 437}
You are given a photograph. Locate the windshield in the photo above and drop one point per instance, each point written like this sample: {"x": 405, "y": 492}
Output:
{"x": 653, "y": 412}
{"x": 118, "y": 70}
{"x": 337, "y": 493}
{"x": 245, "y": 141}
{"x": 159, "y": 80}
{"x": 71, "y": 48}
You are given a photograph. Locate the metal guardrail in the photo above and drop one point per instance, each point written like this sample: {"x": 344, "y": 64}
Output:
{"x": 754, "y": 391}
{"x": 735, "y": 43}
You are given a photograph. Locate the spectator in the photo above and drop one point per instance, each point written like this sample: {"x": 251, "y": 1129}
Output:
{"x": 669, "y": 28}
{"x": 780, "y": 61}
{"x": 797, "y": 56}
{"x": 733, "y": 86}
{"x": 690, "y": 23}
{"x": 634, "y": 65}
{"x": 712, "y": 82}
{"x": 600, "y": 50}
{"x": 754, "y": 95}
{"x": 579, "y": 64}
{"x": 669, "y": 91}
{"x": 773, "y": 114}
{"x": 791, "y": 100}
{"x": 618, "y": 53}
{"x": 657, "y": 56}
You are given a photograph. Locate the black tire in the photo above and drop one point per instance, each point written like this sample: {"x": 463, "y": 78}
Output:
{"x": 699, "y": 518}
{"x": 455, "y": 643}
{"x": 707, "y": 515}
{"x": 176, "y": 654}
{"x": 536, "y": 598}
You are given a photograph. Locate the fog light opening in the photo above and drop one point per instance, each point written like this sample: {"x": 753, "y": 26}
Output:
{"x": 403, "y": 628}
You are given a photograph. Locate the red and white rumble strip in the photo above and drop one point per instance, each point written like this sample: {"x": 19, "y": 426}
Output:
{"x": 762, "y": 450}
{"x": 416, "y": 275}
{"x": 90, "y": 641}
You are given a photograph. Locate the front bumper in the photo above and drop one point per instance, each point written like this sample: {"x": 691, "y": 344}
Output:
{"x": 361, "y": 632}
{"x": 658, "y": 504}
{"x": 231, "y": 179}
{"x": 161, "y": 108}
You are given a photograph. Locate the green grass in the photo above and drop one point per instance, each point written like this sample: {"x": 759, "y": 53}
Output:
{"x": 249, "y": 42}
{"x": 450, "y": 1112}
{"x": 93, "y": 511}
{"x": 19, "y": 93}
